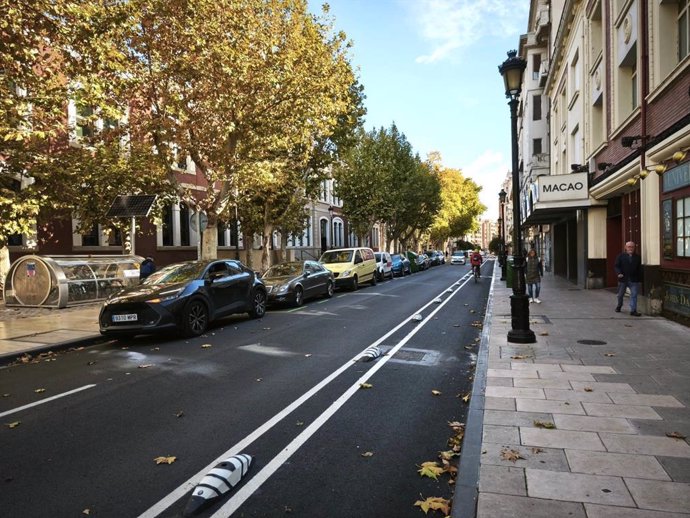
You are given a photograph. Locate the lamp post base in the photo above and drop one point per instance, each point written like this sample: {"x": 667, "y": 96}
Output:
{"x": 503, "y": 270}
{"x": 519, "y": 317}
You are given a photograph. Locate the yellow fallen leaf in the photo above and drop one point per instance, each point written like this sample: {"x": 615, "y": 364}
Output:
{"x": 675, "y": 435}
{"x": 511, "y": 455}
{"x": 466, "y": 397}
{"x": 13, "y": 424}
{"x": 544, "y": 424}
{"x": 367, "y": 454}
{"x": 206, "y": 346}
{"x": 39, "y": 390}
{"x": 365, "y": 385}
{"x": 434, "y": 503}
{"x": 165, "y": 460}
{"x": 436, "y": 392}
{"x": 430, "y": 469}
{"x": 447, "y": 455}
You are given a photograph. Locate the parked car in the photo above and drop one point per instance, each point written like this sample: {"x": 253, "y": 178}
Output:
{"x": 401, "y": 265}
{"x": 351, "y": 266}
{"x": 296, "y": 281}
{"x": 384, "y": 265}
{"x": 425, "y": 262}
{"x": 434, "y": 257}
{"x": 187, "y": 296}
{"x": 458, "y": 257}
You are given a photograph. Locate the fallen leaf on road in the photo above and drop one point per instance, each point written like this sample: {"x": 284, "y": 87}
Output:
{"x": 179, "y": 414}
{"x": 6, "y": 395}
{"x": 39, "y": 390}
{"x": 145, "y": 365}
{"x": 13, "y": 424}
{"x": 609, "y": 354}
{"x": 447, "y": 455}
{"x": 86, "y": 511}
{"x": 469, "y": 347}
{"x": 91, "y": 363}
{"x": 436, "y": 392}
{"x": 588, "y": 389}
{"x": 365, "y": 385}
{"x": 206, "y": 346}
{"x": 156, "y": 349}
{"x": 435, "y": 503}
{"x": 367, "y": 454}
{"x": 307, "y": 355}
{"x": 299, "y": 423}
{"x": 675, "y": 435}
{"x": 544, "y": 334}
{"x": 456, "y": 325}
{"x": 511, "y": 455}
{"x": 165, "y": 460}
{"x": 519, "y": 357}
{"x": 430, "y": 469}
{"x": 544, "y": 424}
{"x": 536, "y": 450}
{"x": 466, "y": 398}
{"x": 259, "y": 379}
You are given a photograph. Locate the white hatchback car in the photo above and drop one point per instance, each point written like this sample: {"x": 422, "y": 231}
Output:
{"x": 458, "y": 257}
{"x": 384, "y": 265}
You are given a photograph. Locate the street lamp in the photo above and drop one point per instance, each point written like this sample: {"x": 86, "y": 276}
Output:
{"x": 502, "y": 234}
{"x": 330, "y": 213}
{"x": 511, "y": 70}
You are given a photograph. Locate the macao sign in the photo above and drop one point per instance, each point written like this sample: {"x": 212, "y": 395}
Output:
{"x": 563, "y": 187}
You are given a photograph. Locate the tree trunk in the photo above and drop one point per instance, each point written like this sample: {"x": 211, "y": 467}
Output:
{"x": 282, "y": 253}
{"x": 209, "y": 236}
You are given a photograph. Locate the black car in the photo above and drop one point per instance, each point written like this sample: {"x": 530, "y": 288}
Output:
{"x": 293, "y": 282}
{"x": 185, "y": 296}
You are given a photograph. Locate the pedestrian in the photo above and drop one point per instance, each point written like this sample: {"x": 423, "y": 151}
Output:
{"x": 628, "y": 267}
{"x": 148, "y": 266}
{"x": 534, "y": 271}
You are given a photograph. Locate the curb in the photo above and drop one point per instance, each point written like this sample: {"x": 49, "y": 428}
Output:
{"x": 467, "y": 483}
{"x": 7, "y": 359}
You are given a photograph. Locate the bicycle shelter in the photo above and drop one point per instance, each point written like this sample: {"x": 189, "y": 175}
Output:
{"x": 61, "y": 281}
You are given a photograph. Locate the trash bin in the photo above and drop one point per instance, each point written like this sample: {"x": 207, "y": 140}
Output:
{"x": 509, "y": 271}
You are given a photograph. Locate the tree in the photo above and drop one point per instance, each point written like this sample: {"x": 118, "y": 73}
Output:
{"x": 245, "y": 89}
{"x": 460, "y": 205}
{"x": 495, "y": 245}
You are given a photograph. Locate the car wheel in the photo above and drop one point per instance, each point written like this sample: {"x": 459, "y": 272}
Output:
{"x": 195, "y": 318}
{"x": 299, "y": 296}
{"x": 329, "y": 289}
{"x": 355, "y": 283}
{"x": 258, "y": 304}
{"x": 373, "y": 279}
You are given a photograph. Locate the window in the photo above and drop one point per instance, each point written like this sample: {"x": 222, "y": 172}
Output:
{"x": 84, "y": 121}
{"x": 184, "y": 225}
{"x": 91, "y": 237}
{"x": 575, "y": 75}
{"x": 536, "y": 146}
{"x": 633, "y": 87}
{"x": 167, "y": 218}
{"x": 536, "y": 107}
{"x": 683, "y": 29}
{"x": 683, "y": 227}
{"x": 536, "y": 65}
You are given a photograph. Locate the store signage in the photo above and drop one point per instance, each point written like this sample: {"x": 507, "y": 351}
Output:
{"x": 677, "y": 177}
{"x": 677, "y": 299}
{"x": 562, "y": 187}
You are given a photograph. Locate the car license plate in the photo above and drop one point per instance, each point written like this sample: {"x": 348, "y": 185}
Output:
{"x": 130, "y": 317}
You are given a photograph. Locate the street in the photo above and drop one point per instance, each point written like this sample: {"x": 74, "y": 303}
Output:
{"x": 328, "y": 435}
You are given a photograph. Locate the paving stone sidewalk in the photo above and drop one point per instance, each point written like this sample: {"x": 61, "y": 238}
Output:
{"x": 587, "y": 422}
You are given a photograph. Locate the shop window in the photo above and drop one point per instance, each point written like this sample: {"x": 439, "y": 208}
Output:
{"x": 683, "y": 227}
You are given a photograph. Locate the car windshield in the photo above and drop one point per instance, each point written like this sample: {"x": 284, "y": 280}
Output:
{"x": 378, "y": 257}
{"x": 283, "y": 270}
{"x": 458, "y": 254}
{"x": 174, "y": 273}
{"x": 337, "y": 256}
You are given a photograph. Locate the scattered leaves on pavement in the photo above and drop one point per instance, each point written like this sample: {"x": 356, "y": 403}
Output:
{"x": 447, "y": 455}
{"x": 367, "y": 454}
{"x": 588, "y": 389}
{"x": 675, "y": 435}
{"x": 544, "y": 424}
{"x": 434, "y": 503}
{"x": 430, "y": 469}
{"x": 365, "y": 385}
{"x": 436, "y": 392}
{"x": 465, "y": 397}
{"x": 511, "y": 455}
{"x": 519, "y": 357}
{"x": 39, "y": 390}
{"x": 165, "y": 460}
{"x": 13, "y": 424}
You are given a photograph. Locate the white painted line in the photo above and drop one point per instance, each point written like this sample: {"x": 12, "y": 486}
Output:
{"x": 191, "y": 483}
{"x": 51, "y": 398}
{"x": 262, "y": 476}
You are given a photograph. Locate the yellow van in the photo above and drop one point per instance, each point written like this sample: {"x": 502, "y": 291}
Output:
{"x": 351, "y": 266}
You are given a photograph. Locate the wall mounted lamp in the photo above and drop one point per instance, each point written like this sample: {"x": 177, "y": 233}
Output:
{"x": 579, "y": 168}
{"x": 679, "y": 156}
{"x": 658, "y": 169}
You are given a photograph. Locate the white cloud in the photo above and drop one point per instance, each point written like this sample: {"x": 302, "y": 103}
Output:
{"x": 454, "y": 24}
{"x": 489, "y": 170}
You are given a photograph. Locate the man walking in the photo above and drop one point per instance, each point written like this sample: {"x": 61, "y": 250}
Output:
{"x": 628, "y": 266}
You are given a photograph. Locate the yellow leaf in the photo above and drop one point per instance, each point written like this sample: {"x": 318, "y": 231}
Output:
{"x": 165, "y": 460}
{"x": 39, "y": 390}
{"x": 365, "y": 385}
{"x": 436, "y": 392}
{"x": 466, "y": 397}
{"x": 447, "y": 455}
{"x": 544, "y": 424}
{"x": 13, "y": 424}
{"x": 435, "y": 503}
{"x": 430, "y": 469}
{"x": 367, "y": 454}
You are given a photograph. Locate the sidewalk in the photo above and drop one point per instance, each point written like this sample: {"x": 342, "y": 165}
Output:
{"x": 34, "y": 330}
{"x": 578, "y": 423}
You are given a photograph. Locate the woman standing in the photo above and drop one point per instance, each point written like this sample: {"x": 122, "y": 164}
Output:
{"x": 533, "y": 274}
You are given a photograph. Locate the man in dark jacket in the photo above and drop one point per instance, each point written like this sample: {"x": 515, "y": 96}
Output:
{"x": 628, "y": 266}
{"x": 147, "y": 268}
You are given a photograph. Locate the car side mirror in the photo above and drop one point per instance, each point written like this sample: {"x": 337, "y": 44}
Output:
{"x": 307, "y": 273}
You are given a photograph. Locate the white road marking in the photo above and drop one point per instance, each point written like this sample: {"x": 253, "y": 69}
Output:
{"x": 191, "y": 483}
{"x": 51, "y": 398}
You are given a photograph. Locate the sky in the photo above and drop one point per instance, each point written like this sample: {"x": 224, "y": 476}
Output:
{"x": 431, "y": 67}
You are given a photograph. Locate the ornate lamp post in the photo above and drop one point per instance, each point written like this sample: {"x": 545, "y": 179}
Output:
{"x": 511, "y": 70}
{"x": 330, "y": 229}
{"x": 502, "y": 233}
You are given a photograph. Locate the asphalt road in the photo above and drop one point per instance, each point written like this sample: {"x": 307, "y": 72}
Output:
{"x": 284, "y": 389}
